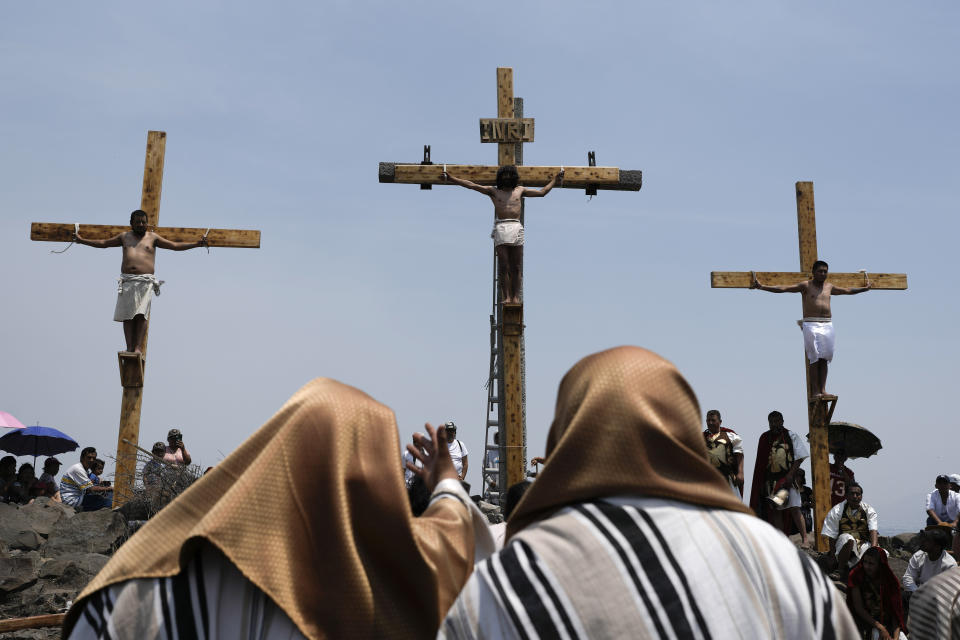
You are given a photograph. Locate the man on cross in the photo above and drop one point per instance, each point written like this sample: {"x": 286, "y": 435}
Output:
{"x": 507, "y": 233}
{"x": 817, "y": 323}
{"x": 137, "y": 280}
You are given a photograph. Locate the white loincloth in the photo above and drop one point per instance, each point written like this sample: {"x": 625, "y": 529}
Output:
{"x": 818, "y": 338}
{"x": 134, "y": 293}
{"x": 509, "y": 232}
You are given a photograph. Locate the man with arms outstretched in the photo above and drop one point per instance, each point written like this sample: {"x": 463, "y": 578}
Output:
{"x": 507, "y": 233}
{"x": 137, "y": 280}
{"x": 817, "y": 323}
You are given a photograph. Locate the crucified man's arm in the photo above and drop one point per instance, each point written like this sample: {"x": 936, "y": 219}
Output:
{"x": 852, "y": 291}
{"x": 469, "y": 185}
{"x": 115, "y": 241}
{"x": 163, "y": 243}
{"x": 793, "y": 288}
{"x": 539, "y": 193}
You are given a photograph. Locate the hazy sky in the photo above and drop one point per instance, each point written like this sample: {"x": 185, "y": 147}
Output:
{"x": 277, "y": 115}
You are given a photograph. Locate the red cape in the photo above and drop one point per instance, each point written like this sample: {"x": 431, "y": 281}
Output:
{"x": 889, "y": 588}
{"x": 760, "y": 466}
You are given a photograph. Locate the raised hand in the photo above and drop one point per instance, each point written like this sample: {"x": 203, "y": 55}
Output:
{"x": 432, "y": 451}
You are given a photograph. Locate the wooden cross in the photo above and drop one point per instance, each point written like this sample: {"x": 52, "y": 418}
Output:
{"x": 132, "y": 365}
{"x": 509, "y": 131}
{"x": 820, "y": 409}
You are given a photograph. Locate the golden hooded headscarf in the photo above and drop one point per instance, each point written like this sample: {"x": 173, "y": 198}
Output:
{"x": 312, "y": 509}
{"x": 626, "y": 423}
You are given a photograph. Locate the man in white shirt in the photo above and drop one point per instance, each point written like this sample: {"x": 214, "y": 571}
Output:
{"x": 930, "y": 561}
{"x": 78, "y": 490}
{"x": 851, "y": 527}
{"x": 408, "y": 475}
{"x": 943, "y": 505}
{"x": 458, "y": 451}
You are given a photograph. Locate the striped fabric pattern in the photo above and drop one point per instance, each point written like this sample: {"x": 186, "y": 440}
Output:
{"x": 648, "y": 568}
{"x": 935, "y": 608}
{"x": 210, "y": 599}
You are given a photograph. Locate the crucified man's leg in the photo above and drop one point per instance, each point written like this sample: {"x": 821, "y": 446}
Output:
{"x": 516, "y": 269}
{"x": 821, "y": 366}
{"x": 139, "y": 333}
{"x": 503, "y": 272}
{"x": 128, "y": 333}
{"x": 816, "y": 389}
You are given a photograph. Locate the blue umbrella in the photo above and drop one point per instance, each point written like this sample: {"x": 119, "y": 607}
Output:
{"x": 37, "y": 441}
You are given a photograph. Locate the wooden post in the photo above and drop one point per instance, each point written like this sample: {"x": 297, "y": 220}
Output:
{"x": 817, "y": 429}
{"x": 820, "y": 410}
{"x": 512, "y": 393}
{"x": 132, "y": 399}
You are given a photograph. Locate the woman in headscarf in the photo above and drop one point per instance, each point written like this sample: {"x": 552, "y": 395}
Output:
{"x": 304, "y": 531}
{"x": 875, "y": 597}
{"x": 629, "y": 532}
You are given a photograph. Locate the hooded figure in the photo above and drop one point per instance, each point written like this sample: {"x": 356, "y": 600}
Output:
{"x": 629, "y": 531}
{"x": 304, "y": 531}
{"x": 874, "y": 596}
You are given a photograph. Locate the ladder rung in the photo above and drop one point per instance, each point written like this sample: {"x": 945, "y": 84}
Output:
{"x": 493, "y": 423}
{"x": 493, "y": 447}
{"x": 494, "y": 399}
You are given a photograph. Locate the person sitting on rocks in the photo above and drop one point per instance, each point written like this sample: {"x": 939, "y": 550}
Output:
{"x": 96, "y": 474}
{"x": 8, "y": 475}
{"x": 943, "y": 505}
{"x": 47, "y": 484}
{"x": 852, "y": 529}
{"x": 931, "y": 560}
{"x": 20, "y": 488}
{"x": 874, "y": 597}
{"x": 935, "y": 607}
{"x": 78, "y": 490}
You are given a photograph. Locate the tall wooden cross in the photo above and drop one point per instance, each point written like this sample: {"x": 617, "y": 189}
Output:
{"x": 132, "y": 365}
{"x": 820, "y": 410}
{"x": 509, "y": 130}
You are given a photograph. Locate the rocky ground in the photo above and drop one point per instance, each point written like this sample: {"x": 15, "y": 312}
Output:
{"x": 48, "y": 553}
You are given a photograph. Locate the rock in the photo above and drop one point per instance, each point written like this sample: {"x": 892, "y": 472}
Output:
{"x": 72, "y": 570}
{"x": 28, "y": 540}
{"x": 43, "y": 513}
{"x": 12, "y": 521}
{"x": 17, "y": 573}
{"x": 88, "y": 532}
{"x": 908, "y": 541}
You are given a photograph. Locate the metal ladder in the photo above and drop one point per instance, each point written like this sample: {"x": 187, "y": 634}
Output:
{"x": 494, "y": 476}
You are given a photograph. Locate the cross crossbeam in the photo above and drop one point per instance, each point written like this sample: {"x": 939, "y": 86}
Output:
{"x": 607, "y": 178}
{"x": 232, "y": 238}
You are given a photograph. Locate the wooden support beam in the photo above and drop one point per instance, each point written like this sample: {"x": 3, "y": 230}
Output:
{"x": 33, "y": 622}
{"x": 820, "y": 414}
{"x": 131, "y": 369}
{"x": 234, "y": 238}
{"x": 741, "y": 279}
{"x": 607, "y": 178}
{"x": 506, "y": 151}
{"x": 511, "y": 395}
